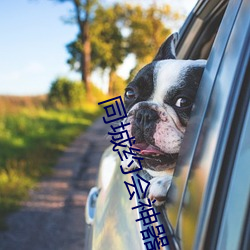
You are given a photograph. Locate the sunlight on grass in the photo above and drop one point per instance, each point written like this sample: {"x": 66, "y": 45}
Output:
{"x": 14, "y": 186}
{"x": 31, "y": 139}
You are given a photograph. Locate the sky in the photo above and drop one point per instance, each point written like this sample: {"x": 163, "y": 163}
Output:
{"x": 32, "y": 44}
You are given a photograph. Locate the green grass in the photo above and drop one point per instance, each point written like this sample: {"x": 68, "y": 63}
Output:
{"x": 31, "y": 139}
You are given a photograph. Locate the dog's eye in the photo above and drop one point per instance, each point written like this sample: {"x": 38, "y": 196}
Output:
{"x": 130, "y": 94}
{"x": 183, "y": 102}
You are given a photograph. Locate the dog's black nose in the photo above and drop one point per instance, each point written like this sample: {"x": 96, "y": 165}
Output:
{"x": 145, "y": 118}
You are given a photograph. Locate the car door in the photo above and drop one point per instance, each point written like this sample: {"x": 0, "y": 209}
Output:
{"x": 210, "y": 164}
{"x": 114, "y": 225}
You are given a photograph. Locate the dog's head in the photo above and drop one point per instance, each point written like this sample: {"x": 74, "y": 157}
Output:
{"x": 159, "y": 101}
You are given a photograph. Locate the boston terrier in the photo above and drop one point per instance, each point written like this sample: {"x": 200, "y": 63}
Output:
{"x": 158, "y": 102}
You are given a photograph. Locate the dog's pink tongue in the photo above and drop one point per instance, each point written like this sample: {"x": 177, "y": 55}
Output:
{"x": 147, "y": 149}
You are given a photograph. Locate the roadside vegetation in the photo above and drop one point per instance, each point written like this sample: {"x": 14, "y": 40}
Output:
{"x": 34, "y": 131}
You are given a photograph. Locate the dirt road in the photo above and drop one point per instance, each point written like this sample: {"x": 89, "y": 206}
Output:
{"x": 53, "y": 218}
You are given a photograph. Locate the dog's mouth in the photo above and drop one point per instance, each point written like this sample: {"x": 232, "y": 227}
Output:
{"x": 154, "y": 158}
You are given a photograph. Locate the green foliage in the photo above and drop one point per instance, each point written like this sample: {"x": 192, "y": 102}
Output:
{"x": 117, "y": 85}
{"x": 119, "y": 30}
{"x": 108, "y": 48}
{"x": 107, "y": 43}
{"x": 82, "y": 15}
{"x": 31, "y": 139}
{"x": 148, "y": 30}
{"x": 74, "y": 48}
{"x": 66, "y": 93}
{"x": 97, "y": 94}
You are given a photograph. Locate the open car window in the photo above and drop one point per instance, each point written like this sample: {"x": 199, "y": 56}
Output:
{"x": 198, "y": 33}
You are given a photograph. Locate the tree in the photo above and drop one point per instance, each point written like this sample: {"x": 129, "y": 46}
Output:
{"x": 108, "y": 48}
{"x": 148, "y": 31}
{"x": 83, "y": 16}
{"x": 119, "y": 30}
{"x": 108, "y": 45}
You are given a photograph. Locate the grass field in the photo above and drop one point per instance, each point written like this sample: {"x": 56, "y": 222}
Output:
{"x": 31, "y": 139}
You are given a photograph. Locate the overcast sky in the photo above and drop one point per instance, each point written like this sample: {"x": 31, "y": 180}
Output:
{"x": 32, "y": 44}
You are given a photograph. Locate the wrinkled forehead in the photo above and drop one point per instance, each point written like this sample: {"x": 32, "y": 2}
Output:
{"x": 169, "y": 74}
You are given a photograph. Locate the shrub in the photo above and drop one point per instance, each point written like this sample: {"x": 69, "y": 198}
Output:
{"x": 97, "y": 94}
{"x": 65, "y": 92}
{"x": 119, "y": 85}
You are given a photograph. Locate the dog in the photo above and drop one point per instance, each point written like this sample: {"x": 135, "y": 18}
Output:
{"x": 158, "y": 102}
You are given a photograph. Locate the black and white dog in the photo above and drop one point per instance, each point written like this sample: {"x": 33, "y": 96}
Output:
{"x": 158, "y": 102}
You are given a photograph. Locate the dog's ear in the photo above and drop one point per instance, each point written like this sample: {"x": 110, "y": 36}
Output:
{"x": 167, "y": 49}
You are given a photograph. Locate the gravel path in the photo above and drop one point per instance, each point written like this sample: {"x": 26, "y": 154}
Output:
{"x": 53, "y": 218}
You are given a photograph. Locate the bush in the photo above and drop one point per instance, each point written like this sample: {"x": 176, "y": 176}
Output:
{"x": 97, "y": 94}
{"x": 119, "y": 85}
{"x": 65, "y": 92}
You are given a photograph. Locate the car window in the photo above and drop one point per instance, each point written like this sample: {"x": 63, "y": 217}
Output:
{"x": 198, "y": 34}
{"x": 208, "y": 130}
{"x": 235, "y": 212}
{"x": 192, "y": 132}
{"x": 220, "y": 113}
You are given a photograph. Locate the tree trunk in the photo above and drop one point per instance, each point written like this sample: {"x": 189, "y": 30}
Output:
{"x": 86, "y": 45}
{"x": 111, "y": 82}
{"x": 86, "y": 57}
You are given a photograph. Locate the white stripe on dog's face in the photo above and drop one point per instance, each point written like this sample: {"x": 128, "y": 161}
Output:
{"x": 169, "y": 74}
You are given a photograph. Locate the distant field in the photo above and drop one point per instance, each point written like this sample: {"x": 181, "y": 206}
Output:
{"x": 31, "y": 138}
